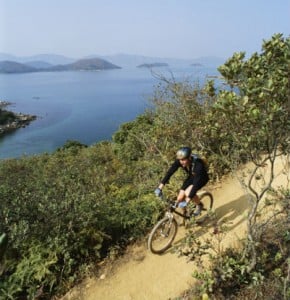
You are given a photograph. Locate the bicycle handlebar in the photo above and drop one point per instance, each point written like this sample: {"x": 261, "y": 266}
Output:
{"x": 171, "y": 203}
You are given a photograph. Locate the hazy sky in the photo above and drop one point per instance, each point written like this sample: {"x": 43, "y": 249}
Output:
{"x": 163, "y": 28}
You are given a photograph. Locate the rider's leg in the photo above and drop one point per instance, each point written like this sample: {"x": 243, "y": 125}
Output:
{"x": 187, "y": 194}
{"x": 196, "y": 199}
{"x": 190, "y": 193}
{"x": 181, "y": 196}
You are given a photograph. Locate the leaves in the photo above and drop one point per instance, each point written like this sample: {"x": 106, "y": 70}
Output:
{"x": 65, "y": 210}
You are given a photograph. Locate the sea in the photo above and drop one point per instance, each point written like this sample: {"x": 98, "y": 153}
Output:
{"x": 84, "y": 106}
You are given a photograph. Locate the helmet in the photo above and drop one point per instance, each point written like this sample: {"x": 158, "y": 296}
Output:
{"x": 183, "y": 153}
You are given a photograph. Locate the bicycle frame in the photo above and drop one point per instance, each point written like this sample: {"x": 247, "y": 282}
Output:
{"x": 172, "y": 210}
{"x": 163, "y": 233}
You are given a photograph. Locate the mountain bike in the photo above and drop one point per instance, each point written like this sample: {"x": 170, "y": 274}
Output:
{"x": 164, "y": 232}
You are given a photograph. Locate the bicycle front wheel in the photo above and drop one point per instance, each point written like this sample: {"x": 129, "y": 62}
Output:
{"x": 162, "y": 235}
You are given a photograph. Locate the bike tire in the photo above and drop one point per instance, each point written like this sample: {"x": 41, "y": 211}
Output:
{"x": 207, "y": 200}
{"x": 162, "y": 235}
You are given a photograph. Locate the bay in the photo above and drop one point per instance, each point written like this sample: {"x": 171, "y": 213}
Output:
{"x": 84, "y": 106}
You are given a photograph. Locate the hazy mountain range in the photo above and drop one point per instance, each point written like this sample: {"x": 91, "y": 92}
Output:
{"x": 89, "y": 64}
{"x": 53, "y": 62}
{"x": 126, "y": 60}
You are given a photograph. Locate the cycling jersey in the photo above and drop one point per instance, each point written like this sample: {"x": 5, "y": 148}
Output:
{"x": 196, "y": 175}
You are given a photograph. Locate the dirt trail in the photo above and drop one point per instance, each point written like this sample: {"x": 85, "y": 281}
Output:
{"x": 140, "y": 275}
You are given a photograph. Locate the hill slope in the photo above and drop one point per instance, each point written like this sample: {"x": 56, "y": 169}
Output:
{"x": 86, "y": 64}
{"x": 93, "y": 64}
{"x": 140, "y": 275}
{"x": 7, "y": 66}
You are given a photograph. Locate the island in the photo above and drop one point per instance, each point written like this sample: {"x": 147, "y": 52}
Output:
{"x": 91, "y": 64}
{"x": 10, "y": 121}
{"x": 153, "y": 65}
{"x": 197, "y": 65}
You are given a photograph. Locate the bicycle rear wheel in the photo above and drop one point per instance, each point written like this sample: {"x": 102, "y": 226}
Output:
{"x": 207, "y": 200}
{"x": 162, "y": 235}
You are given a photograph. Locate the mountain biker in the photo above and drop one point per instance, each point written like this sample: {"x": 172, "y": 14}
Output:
{"x": 197, "y": 177}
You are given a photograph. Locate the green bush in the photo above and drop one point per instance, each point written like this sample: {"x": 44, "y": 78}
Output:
{"x": 66, "y": 210}
{"x": 63, "y": 211}
{"x": 6, "y": 117}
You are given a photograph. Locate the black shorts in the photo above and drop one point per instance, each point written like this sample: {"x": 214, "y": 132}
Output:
{"x": 196, "y": 187}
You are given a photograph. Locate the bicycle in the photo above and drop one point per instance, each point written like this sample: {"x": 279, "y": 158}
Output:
{"x": 163, "y": 233}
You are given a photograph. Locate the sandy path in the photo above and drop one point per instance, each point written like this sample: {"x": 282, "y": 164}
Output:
{"x": 140, "y": 275}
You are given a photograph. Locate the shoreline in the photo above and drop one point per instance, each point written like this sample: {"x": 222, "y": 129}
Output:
{"x": 17, "y": 121}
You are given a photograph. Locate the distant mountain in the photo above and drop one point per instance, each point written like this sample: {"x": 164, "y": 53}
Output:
{"x": 38, "y": 64}
{"x": 121, "y": 60}
{"x": 197, "y": 65}
{"x": 7, "y": 66}
{"x": 133, "y": 61}
{"x": 93, "y": 64}
{"x": 209, "y": 61}
{"x": 153, "y": 65}
{"x": 53, "y": 59}
{"x": 126, "y": 60}
{"x": 86, "y": 65}
{"x": 8, "y": 57}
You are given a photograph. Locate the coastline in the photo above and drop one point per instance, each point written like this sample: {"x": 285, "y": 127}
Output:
{"x": 16, "y": 121}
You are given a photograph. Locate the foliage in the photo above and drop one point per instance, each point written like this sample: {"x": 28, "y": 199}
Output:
{"x": 251, "y": 120}
{"x": 6, "y": 116}
{"x": 72, "y": 145}
{"x": 129, "y": 143}
{"x": 228, "y": 276}
{"x": 64, "y": 211}
{"x": 258, "y": 113}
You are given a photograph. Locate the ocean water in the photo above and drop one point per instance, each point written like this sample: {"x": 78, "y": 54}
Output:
{"x": 84, "y": 106}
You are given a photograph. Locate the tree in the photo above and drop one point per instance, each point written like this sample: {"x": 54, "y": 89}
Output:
{"x": 250, "y": 120}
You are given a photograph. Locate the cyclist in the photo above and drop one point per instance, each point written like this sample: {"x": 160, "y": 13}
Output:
{"x": 197, "y": 177}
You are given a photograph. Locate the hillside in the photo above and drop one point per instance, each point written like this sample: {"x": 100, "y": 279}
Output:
{"x": 14, "y": 67}
{"x": 93, "y": 64}
{"x": 123, "y": 60}
{"x": 53, "y": 59}
{"x": 126, "y": 60}
{"x": 153, "y": 65}
{"x": 86, "y": 64}
{"x": 68, "y": 213}
{"x": 141, "y": 275}
{"x": 38, "y": 64}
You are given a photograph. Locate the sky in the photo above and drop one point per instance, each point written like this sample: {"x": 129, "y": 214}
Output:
{"x": 159, "y": 28}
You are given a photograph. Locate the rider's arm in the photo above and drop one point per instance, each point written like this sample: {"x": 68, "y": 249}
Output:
{"x": 169, "y": 173}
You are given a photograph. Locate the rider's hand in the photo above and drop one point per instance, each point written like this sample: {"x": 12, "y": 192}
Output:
{"x": 180, "y": 204}
{"x": 158, "y": 192}
{"x": 175, "y": 205}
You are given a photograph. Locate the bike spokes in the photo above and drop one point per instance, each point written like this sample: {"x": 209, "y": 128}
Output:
{"x": 162, "y": 235}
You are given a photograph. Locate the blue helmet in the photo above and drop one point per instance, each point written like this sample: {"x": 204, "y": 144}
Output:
{"x": 183, "y": 153}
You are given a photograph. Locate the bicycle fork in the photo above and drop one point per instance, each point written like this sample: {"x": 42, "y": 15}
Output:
{"x": 167, "y": 226}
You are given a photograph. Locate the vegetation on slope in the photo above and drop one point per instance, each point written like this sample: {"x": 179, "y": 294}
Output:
{"x": 65, "y": 211}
